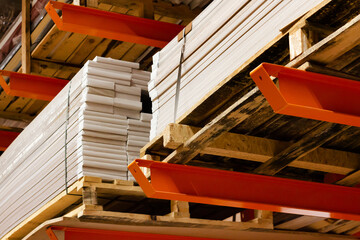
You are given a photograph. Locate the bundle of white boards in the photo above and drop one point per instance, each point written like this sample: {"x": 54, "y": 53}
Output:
{"x": 96, "y": 120}
{"x": 223, "y": 37}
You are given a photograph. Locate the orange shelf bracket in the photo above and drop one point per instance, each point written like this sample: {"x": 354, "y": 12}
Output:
{"x": 111, "y": 25}
{"x": 97, "y": 234}
{"x": 31, "y": 86}
{"x": 309, "y": 95}
{"x": 243, "y": 190}
{"x": 6, "y": 138}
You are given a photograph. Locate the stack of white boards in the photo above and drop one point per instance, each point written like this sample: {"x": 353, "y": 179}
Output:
{"x": 223, "y": 37}
{"x": 85, "y": 130}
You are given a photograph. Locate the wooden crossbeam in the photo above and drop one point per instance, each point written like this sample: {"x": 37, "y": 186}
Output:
{"x": 316, "y": 137}
{"x": 258, "y": 149}
{"x": 232, "y": 116}
{"x": 23, "y": 117}
{"x": 351, "y": 180}
{"x": 333, "y": 46}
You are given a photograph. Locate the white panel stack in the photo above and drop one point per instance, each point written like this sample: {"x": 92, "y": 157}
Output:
{"x": 223, "y": 37}
{"x": 103, "y": 108}
{"x": 138, "y": 136}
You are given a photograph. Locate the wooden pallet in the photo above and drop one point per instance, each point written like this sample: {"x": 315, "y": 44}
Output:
{"x": 90, "y": 198}
{"x": 237, "y": 106}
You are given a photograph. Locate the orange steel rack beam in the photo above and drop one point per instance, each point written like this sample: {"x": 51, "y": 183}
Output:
{"x": 309, "y": 95}
{"x": 31, "y": 86}
{"x": 111, "y": 25}
{"x": 6, "y": 138}
{"x": 100, "y": 234}
{"x": 243, "y": 190}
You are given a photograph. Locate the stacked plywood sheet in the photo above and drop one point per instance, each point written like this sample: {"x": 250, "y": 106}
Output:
{"x": 223, "y": 37}
{"x": 86, "y": 130}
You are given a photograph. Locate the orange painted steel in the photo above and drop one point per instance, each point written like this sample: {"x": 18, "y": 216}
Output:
{"x": 31, "y": 86}
{"x": 111, "y": 25}
{"x": 100, "y": 234}
{"x": 6, "y": 138}
{"x": 243, "y": 190}
{"x": 309, "y": 95}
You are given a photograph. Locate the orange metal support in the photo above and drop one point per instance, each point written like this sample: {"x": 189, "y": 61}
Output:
{"x": 242, "y": 190}
{"x": 6, "y": 138}
{"x": 100, "y": 234}
{"x": 31, "y": 86}
{"x": 309, "y": 95}
{"x": 111, "y": 25}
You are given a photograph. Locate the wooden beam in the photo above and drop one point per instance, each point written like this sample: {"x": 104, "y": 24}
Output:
{"x": 147, "y": 9}
{"x": 299, "y": 222}
{"x": 258, "y": 149}
{"x": 351, "y": 180}
{"x": 12, "y": 124}
{"x": 147, "y": 220}
{"x": 25, "y": 36}
{"x": 333, "y": 46}
{"x": 228, "y": 119}
{"x": 298, "y": 42}
{"x": 321, "y": 134}
{"x": 179, "y": 209}
{"x": 16, "y": 116}
{"x": 43, "y": 67}
{"x": 313, "y": 67}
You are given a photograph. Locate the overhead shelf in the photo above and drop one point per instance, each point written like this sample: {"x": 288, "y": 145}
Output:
{"x": 243, "y": 190}
{"x": 111, "y": 25}
{"x": 31, "y": 86}
{"x": 309, "y": 95}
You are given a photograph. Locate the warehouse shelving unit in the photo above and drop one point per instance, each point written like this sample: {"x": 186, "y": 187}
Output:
{"x": 233, "y": 129}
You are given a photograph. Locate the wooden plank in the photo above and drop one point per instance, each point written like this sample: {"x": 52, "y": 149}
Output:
{"x": 81, "y": 54}
{"x": 147, "y": 9}
{"x": 52, "y": 39}
{"x": 232, "y": 116}
{"x": 16, "y": 116}
{"x": 298, "y": 42}
{"x": 147, "y": 220}
{"x": 66, "y": 47}
{"x": 257, "y": 149}
{"x": 49, "y": 67}
{"x": 333, "y": 46}
{"x": 25, "y": 36}
{"x": 299, "y": 222}
{"x": 351, "y": 180}
{"x": 18, "y": 104}
{"x": 179, "y": 209}
{"x": 313, "y": 67}
{"x": 321, "y": 134}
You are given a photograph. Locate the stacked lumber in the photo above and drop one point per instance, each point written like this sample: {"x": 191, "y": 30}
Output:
{"x": 85, "y": 131}
{"x": 223, "y": 37}
{"x": 138, "y": 136}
